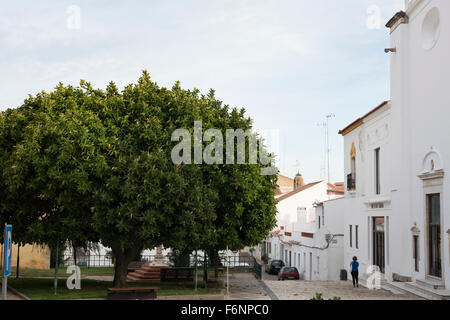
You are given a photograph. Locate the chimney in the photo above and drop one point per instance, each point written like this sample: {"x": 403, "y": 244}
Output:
{"x": 298, "y": 181}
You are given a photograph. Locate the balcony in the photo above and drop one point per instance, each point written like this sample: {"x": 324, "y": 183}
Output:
{"x": 351, "y": 183}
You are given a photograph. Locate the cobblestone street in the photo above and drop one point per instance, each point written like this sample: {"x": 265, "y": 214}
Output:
{"x": 305, "y": 290}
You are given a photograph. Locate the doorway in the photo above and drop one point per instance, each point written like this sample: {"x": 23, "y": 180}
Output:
{"x": 378, "y": 240}
{"x": 310, "y": 266}
{"x": 434, "y": 234}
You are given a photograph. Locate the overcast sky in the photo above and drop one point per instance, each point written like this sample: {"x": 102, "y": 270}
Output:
{"x": 289, "y": 63}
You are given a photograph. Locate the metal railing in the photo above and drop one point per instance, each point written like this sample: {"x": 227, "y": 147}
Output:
{"x": 257, "y": 269}
{"x": 96, "y": 260}
{"x": 232, "y": 262}
{"x": 351, "y": 183}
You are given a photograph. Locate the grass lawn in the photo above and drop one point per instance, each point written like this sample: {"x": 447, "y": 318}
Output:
{"x": 31, "y": 273}
{"x": 42, "y": 289}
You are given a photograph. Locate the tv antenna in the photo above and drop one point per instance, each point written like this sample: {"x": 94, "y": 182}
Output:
{"x": 325, "y": 125}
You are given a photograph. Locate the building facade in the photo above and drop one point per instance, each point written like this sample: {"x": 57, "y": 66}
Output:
{"x": 305, "y": 236}
{"x": 397, "y": 157}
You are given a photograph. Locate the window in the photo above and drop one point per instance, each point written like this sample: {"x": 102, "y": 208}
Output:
{"x": 319, "y": 222}
{"x": 416, "y": 252}
{"x": 351, "y": 235}
{"x": 377, "y": 171}
{"x": 377, "y": 205}
{"x": 353, "y": 160}
{"x": 356, "y": 236}
{"x": 351, "y": 178}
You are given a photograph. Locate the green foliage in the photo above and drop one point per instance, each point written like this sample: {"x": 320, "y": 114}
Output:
{"x": 178, "y": 258}
{"x": 319, "y": 296}
{"x": 88, "y": 165}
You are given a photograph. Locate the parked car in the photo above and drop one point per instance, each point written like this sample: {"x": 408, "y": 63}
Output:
{"x": 241, "y": 265}
{"x": 274, "y": 266}
{"x": 290, "y": 273}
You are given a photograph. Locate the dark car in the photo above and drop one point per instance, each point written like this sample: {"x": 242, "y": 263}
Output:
{"x": 274, "y": 266}
{"x": 290, "y": 273}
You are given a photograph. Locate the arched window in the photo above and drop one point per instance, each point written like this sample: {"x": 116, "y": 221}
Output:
{"x": 351, "y": 182}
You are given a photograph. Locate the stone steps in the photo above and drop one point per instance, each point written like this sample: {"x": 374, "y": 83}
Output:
{"x": 364, "y": 277}
{"x": 147, "y": 273}
{"x": 418, "y": 289}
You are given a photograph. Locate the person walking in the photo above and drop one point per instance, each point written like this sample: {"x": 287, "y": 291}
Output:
{"x": 355, "y": 271}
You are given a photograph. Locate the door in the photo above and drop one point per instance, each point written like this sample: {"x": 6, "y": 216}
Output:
{"x": 434, "y": 235}
{"x": 310, "y": 266}
{"x": 378, "y": 242}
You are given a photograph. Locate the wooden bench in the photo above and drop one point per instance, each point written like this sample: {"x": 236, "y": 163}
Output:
{"x": 132, "y": 293}
{"x": 177, "y": 274}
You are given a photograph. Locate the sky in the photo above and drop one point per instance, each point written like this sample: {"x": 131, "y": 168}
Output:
{"x": 289, "y": 63}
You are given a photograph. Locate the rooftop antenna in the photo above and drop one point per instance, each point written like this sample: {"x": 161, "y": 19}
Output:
{"x": 322, "y": 168}
{"x": 325, "y": 124}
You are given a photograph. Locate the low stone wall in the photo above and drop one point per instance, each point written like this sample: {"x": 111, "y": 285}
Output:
{"x": 32, "y": 256}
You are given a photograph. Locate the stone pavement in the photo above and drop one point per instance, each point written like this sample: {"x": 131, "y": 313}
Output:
{"x": 305, "y": 290}
{"x": 13, "y": 296}
{"x": 244, "y": 286}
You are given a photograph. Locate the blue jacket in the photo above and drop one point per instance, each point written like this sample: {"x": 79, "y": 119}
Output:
{"x": 354, "y": 265}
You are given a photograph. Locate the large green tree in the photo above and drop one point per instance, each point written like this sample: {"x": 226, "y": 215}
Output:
{"x": 84, "y": 164}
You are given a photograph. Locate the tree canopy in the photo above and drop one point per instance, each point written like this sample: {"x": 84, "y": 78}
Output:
{"x": 86, "y": 164}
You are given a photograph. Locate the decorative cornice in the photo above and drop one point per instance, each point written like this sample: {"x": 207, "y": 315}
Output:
{"x": 432, "y": 175}
{"x": 358, "y": 122}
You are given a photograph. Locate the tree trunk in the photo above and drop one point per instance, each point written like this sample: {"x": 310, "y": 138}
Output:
{"x": 214, "y": 257}
{"x": 205, "y": 269}
{"x": 74, "y": 254}
{"x": 120, "y": 273}
{"x": 122, "y": 258}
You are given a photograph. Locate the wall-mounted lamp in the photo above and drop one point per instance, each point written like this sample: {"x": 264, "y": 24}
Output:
{"x": 387, "y": 50}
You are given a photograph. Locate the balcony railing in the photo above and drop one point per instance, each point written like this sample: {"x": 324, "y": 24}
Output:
{"x": 351, "y": 183}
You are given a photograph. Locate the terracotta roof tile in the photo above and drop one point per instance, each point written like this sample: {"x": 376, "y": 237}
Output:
{"x": 290, "y": 194}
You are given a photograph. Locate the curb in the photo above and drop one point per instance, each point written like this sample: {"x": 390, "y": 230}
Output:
{"x": 269, "y": 291}
{"x": 17, "y": 293}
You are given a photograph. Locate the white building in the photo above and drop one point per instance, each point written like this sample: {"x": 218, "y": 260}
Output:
{"x": 305, "y": 236}
{"x": 397, "y": 160}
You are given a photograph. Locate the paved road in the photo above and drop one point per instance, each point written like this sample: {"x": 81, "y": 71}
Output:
{"x": 244, "y": 286}
{"x": 305, "y": 290}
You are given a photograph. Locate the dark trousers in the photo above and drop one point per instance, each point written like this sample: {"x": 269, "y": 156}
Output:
{"x": 355, "y": 277}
